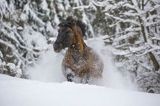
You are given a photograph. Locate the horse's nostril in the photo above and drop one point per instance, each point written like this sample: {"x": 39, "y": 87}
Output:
{"x": 57, "y": 47}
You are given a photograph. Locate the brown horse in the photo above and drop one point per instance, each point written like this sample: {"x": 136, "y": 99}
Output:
{"x": 80, "y": 63}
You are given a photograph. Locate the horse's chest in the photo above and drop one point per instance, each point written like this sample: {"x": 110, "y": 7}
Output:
{"x": 76, "y": 63}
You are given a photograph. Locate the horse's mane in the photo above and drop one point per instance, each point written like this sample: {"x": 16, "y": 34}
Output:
{"x": 70, "y": 21}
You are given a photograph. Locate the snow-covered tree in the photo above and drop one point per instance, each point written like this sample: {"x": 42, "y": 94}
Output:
{"x": 136, "y": 38}
{"x": 18, "y": 47}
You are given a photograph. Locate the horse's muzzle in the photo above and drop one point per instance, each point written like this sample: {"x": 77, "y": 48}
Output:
{"x": 57, "y": 47}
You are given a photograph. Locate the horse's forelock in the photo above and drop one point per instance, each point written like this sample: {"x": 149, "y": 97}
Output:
{"x": 70, "y": 22}
{"x": 79, "y": 23}
{"x": 64, "y": 24}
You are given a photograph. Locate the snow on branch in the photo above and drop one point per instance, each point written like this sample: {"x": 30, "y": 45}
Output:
{"x": 83, "y": 6}
{"x": 143, "y": 65}
{"x": 130, "y": 34}
{"x": 127, "y": 30}
{"x": 153, "y": 23}
{"x": 153, "y": 17}
{"x": 29, "y": 13}
{"x": 133, "y": 7}
{"x": 153, "y": 8}
{"x": 12, "y": 38}
{"x": 130, "y": 14}
{"x": 15, "y": 52}
{"x": 3, "y": 7}
{"x": 100, "y": 4}
{"x": 156, "y": 38}
{"x": 123, "y": 20}
{"x": 136, "y": 51}
{"x": 7, "y": 44}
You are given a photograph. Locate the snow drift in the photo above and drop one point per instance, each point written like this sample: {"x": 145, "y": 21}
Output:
{"x": 20, "y": 92}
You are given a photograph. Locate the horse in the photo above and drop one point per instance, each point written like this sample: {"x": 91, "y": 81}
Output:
{"x": 81, "y": 63}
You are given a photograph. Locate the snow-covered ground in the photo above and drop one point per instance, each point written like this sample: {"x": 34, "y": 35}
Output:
{"x": 20, "y": 92}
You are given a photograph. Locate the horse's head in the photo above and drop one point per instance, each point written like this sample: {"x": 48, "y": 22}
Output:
{"x": 67, "y": 33}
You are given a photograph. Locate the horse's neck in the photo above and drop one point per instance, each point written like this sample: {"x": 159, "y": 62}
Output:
{"x": 78, "y": 48}
{"x": 75, "y": 54}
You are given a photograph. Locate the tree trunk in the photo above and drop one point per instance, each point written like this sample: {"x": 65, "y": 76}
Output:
{"x": 151, "y": 55}
{"x": 154, "y": 60}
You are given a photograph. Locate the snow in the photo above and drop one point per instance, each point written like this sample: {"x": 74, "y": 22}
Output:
{"x": 28, "y": 13}
{"x": 11, "y": 65}
{"x": 34, "y": 39}
{"x": 50, "y": 30}
{"x": 3, "y": 7}
{"x": 48, "y": 69}
{"x": 21, "y": 92}
{"x": 123, "y": 20}
{"x": 44, "y": 6}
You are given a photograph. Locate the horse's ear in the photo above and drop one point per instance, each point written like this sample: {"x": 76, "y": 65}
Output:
{"x": 64, "y": 24}
{"x": 71, "y": 20}
{"x": 60, "y": 24}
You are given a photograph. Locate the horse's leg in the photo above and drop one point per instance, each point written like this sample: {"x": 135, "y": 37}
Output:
{"x": 70, "y": 77}
{"x": 85, "y": 78}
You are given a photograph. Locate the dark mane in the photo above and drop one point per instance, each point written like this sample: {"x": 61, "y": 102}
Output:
{"x": 82, "y": 26}
{"x": 70, "y": 21}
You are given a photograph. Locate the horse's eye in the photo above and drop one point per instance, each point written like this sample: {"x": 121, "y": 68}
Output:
{"x": 68, "y": 32}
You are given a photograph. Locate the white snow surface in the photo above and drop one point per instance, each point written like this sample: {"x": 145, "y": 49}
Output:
{"x": 21, "y": 92}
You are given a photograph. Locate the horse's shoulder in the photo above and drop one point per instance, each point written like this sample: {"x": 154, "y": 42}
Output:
{"x": 68, "y": 59}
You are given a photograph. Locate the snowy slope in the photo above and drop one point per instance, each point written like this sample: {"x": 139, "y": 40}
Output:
{"x": 20, "y": 92}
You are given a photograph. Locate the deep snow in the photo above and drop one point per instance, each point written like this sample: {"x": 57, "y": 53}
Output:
{"x": 20, "y": 92}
